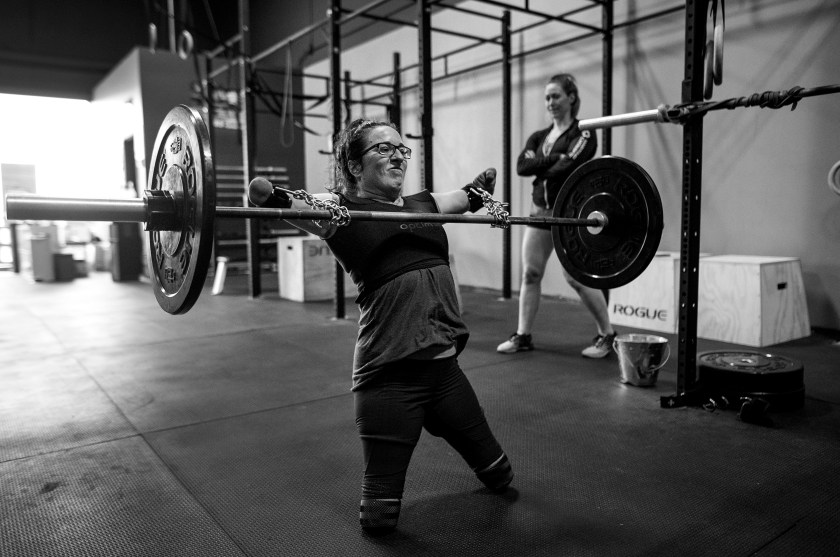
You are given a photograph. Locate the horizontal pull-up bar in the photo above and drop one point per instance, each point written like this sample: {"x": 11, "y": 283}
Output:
{"x": 298, "y": 35}
{"x": 492, "y": 62}
{"x": 306, "y": 30}
{"x": 660, "y": 13}
{"x": 496, "y": 39}
{"x": 224, "y": 46}
{"x": 558, "y": 18}
{"x": 435, "y": 29}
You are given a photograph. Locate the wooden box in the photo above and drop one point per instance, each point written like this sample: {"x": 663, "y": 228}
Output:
{"x": 43, "y": 268}
{"x": 651, "y": 301}
{"x": 751, "y": 300}
{"x": 306, "y": 270}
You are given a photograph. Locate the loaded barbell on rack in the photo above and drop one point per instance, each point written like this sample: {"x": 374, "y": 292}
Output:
{"x": 606, "y": 222}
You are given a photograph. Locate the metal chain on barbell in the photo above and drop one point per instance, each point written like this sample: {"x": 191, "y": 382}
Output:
{"x": 340, "y": 214}
{"x": 495, "y": 208}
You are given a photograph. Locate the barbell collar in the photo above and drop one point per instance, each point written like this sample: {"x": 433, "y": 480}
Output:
{"x": 162, "y": 211}
{"x": 602, "y": 220}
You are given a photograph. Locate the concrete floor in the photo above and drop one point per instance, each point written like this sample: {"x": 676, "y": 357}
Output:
{"x": 229, "y": 431}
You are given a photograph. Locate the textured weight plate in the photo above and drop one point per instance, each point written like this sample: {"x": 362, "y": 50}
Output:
{"x": 618, "y": 253}
{"x": 736, "y": 374}
{"x": 182, "y": 164}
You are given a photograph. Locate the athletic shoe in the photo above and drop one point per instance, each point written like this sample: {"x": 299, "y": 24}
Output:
{"x": 601, "y": 346}
{"x": 516, "y": 343}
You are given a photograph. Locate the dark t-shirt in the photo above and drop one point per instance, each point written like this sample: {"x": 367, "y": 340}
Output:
{"x": 407, "y": 298}
{"x": 374, "y": 252}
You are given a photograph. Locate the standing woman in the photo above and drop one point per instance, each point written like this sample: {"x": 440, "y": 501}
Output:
{"x": 550, "y": 155}
{"x": 406, "y": 375}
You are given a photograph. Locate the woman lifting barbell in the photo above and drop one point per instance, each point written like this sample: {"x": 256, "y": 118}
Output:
{"x": 406, "y": 375}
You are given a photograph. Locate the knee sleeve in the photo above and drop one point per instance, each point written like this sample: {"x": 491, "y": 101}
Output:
{"x": 379, "y": 515}
{"x": 498, "y": 475}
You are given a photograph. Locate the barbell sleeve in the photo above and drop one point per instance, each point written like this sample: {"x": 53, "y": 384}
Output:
{"x": 30, "y": 207}
{"x": 659, "y": 114}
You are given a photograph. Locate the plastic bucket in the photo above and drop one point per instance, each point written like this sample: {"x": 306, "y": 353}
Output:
{"x": 641, "y": 357}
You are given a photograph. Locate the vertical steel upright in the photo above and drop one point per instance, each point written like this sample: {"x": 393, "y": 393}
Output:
{"x": 247, "y": 123}
{"x": 348, "y": 96}
{"x": 692, "y": 92}
{"x": 607, "y": 84}
{"x": 334, "y": 13}
{"x": 209, "y": 92}
{"x": 506, "y": 150}
{"x": 15, "y": 251}
{"x": 395, "y": 112}
{"x": 607, "y": 73}
{"x": 424, "y": 40}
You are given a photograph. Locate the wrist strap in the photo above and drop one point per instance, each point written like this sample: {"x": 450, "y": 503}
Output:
{"x": 278, "y": 199}
{"x": 476, "y": 202}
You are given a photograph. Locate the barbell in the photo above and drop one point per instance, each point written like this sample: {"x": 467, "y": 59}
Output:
{"x": 606, "y": 222}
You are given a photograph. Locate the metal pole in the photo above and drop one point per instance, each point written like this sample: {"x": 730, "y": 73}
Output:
{"x": 424, "y": 40}
{"x": 610, "y": 121}
{"x": 15, "y": 249}
{"x": 607, "y": 70}
{"x": 170, "y": 20}
{"x": 348, "y": 94}
{"x": 247, "y": 122}
{"x": 607, "y": 85}
{"x": 396, "y": 95}
{"x": 334, "y": 14}
{"x": 692, "y": 91}
{"x": 506, "y": 150}
{"x": 31, "y": 207}
{"x": 382, "y": 216}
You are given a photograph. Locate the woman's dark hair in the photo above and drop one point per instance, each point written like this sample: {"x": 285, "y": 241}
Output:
{"x": 569, "y": 85}
{"x": 348, "y": 145}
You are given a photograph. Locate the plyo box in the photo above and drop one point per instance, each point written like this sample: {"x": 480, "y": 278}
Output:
{"x": 306, "y": 270}
{"x": 752, "y": 300}
{"x": 651, "y": 300}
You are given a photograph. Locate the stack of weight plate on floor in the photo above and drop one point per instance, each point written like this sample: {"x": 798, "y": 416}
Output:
{"x": 738, "y": 375}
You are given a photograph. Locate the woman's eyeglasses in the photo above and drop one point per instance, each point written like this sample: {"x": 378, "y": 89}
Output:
{"x": 388, "y": 149}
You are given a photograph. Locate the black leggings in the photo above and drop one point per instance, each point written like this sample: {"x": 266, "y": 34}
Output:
{"x": 406, "y": 397}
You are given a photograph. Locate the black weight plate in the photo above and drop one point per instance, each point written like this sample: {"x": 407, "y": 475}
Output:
{"x": 182, "y": 164}
{"x": 736, "y": 374}
{"x": 625, "y": 193}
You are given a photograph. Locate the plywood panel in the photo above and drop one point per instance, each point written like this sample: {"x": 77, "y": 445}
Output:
{"x": 751, "y": 300}
{"x": 306, "y": 270}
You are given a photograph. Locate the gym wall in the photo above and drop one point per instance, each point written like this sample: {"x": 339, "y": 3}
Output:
{"x": 764, "y": 171}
